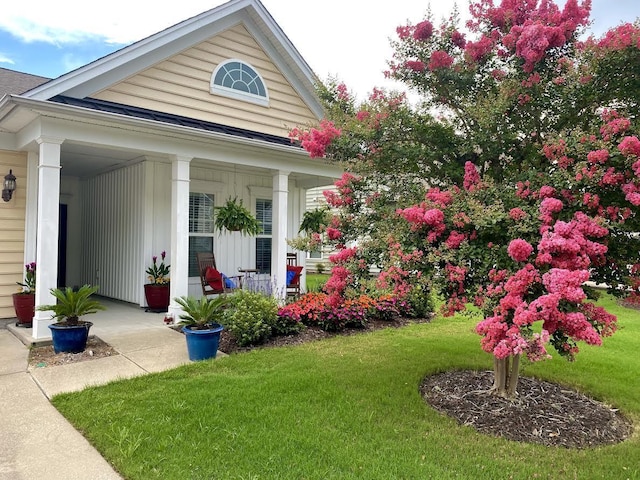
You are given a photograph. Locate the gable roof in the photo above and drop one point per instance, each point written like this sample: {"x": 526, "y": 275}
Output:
{"x": 15, "y": 83}
{"x": 111, "y": 69}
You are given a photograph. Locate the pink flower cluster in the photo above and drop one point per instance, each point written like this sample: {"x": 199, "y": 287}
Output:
{"x": 571, "y": 245}
{"x": 471, "y": 177}
{"x": 477, "y": 51}
{"x": 440, "y": 59}
{"x": 416, "y": 65}
{"x": 520, "y": 250}
{"x": 316, "y": 140}
{"x": 438, "y": 197}
{"x": 621, "y": 37}
{"x": 423, "y": 30}
{"x": 531, "y": 30}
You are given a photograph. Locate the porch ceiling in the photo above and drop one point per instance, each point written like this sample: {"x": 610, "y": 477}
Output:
{"x": 86, "y": 160}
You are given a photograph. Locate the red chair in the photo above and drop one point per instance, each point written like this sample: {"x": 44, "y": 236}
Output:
{"x": 293, "y": 275}
{"x": 211, "y": 279}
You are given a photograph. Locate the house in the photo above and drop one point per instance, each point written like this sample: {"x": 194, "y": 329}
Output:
{"x": 125, "y": 157}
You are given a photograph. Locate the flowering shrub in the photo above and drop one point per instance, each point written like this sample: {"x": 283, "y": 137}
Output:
{"x": 29, "y": 285}
{"x": 312, "y": 309}
{"x": 521, "y": 190}
{"x": 158, "y": 274}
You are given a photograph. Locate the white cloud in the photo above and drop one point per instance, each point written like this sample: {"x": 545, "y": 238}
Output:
{"x": 5, "y": 59}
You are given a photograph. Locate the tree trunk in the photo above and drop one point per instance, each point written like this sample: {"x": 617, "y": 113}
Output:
{"x": 505, "y": 376}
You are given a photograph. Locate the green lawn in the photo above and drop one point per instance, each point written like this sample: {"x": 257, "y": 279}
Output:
{"x": 344, "y": 408}
{"x": 315, "y": 281}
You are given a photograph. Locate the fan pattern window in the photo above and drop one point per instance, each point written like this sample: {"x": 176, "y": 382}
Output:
{"x": 240, "y": 80}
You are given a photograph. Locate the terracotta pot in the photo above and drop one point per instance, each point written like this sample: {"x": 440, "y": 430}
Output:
{"x": 157, "y": 297}
{"x": 24, "y": 305}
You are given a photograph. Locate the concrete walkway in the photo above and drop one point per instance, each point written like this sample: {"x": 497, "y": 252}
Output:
{"x": 38, "y": 443}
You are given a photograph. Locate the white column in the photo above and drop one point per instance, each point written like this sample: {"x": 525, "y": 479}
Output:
{"x": 31, "y": 220}
{"x": 279, "y": 234}
{"x": 179, "y": 232}
{"x": 47, "y": 231}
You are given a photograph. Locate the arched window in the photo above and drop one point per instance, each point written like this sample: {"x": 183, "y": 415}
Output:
{"x": 238, "y": 79}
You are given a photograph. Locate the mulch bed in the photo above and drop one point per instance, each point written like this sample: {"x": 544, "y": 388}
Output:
{"x": 228, "y": 344}
{"x": 41, "y": 357}
{"x": 542, "y": 412}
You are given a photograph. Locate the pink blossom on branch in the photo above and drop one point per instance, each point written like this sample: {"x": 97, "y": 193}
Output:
{"x": 439, "y": 60}
{"x": 423, "y": 30}
{"x": 316, "y": 140}
{"x": 520, "y": 250}
{"x": 471, "y": 177}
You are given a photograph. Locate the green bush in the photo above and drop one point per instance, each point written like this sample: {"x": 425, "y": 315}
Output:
{"x": 251, "y": 317}
{"x": 420, "y": 300}
{"x": 285, "y": 325}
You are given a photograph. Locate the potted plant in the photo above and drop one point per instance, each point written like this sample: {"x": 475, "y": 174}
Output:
{"x": 156, "y": 291}
{"x": 24, "y": 301}
{"x": 70, "y": 333}
{"x": 235, "y": 217}
{"x": 200, "y": 322}
{"x": 314, "y": 221}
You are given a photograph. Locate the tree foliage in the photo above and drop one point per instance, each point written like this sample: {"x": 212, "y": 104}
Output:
{"x": 512, "y": 186}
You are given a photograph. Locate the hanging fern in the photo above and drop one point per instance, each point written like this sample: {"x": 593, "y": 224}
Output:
{"x": 235, "y": 217}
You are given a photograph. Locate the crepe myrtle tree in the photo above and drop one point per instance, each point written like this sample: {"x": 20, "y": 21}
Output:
{"x": 512, "y": 186}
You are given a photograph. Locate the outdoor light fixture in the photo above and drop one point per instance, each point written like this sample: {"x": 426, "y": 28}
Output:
{"x": 9, "y": 186}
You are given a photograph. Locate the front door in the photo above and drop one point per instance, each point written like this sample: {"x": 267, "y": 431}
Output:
{"x": 62, "y": 246}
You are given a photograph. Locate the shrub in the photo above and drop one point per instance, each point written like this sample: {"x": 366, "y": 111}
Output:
{"x": 287, "y": 325}
{"x": 320, "y": 267}
{"x": 250, "y": 317}
{"x": 420, "y": 301}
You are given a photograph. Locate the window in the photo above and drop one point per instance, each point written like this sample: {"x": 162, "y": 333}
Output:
{"x": 264, "y": 214}
{"x": 200, "y": 228}
{"x": 237, "y": 79}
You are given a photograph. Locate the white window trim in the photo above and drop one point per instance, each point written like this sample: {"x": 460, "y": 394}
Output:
{"x": 208, "y": 188}
{"x": 255, "y": 193}
{"x": 237, "y": 94}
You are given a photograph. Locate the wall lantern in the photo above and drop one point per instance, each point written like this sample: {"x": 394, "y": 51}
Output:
{"x": 8, "y": 186}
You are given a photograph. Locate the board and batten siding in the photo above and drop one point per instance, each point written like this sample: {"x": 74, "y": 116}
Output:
{"x": 181, "y": 86}
{"x": 233, "y": 250}
{"x": 123, "y": 215}
{"x": 12, "y": 219}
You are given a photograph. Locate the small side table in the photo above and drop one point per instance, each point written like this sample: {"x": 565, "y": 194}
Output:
{"x": 248, "y": 276}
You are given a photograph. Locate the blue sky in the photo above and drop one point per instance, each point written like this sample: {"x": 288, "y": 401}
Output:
{"x": 347, "y": 39}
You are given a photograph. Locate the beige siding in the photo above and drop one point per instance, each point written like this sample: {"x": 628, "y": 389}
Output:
{"x": 12, "y": 219}
{"x": 180, "y": 86}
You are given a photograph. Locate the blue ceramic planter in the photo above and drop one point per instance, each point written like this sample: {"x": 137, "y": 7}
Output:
{"x": 202, "y": 344}
{"x": 70, "y": 339}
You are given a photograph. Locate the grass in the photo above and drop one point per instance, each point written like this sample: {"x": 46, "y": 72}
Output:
{"x": 315, "y": 281}
{"x": 344, "y": 408}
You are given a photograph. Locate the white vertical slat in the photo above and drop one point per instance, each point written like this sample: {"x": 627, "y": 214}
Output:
{"x": 112, "y": 231}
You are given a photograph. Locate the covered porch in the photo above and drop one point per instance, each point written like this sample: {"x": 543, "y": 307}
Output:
{"x": 130, "y": 188}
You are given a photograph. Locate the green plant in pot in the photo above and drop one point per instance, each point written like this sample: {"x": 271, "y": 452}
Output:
{"x": 25, "y": 300}
{"x": 314, "y": 221}
{"x": 233, "y": 216}
{"x": 70, "y": 333}
{"x": 156, "y": 292}
{"x": 200, "y": 322}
